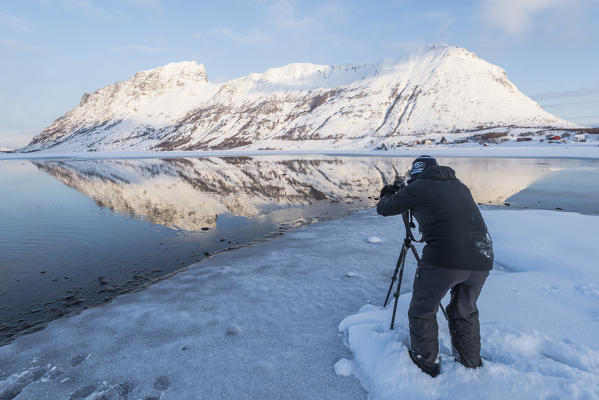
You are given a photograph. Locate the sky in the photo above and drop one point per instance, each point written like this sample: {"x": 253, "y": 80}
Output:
{"x": 53, "y": 51}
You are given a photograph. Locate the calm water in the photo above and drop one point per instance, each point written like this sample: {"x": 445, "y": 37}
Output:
{"x": 75, "y": 233}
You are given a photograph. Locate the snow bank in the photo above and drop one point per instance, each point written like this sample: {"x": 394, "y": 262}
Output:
{"x": 539, "y": 321}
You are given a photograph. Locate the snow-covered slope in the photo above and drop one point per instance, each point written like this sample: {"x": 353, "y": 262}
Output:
{"x": 440, "y": 89}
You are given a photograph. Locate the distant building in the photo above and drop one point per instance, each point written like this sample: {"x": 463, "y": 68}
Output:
{"x": 524, "y": 139}
{"x": 554, "y": 139}
{"x": 580, "y": 137}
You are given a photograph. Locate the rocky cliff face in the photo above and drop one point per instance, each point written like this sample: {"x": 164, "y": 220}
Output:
{"x": 439, "y": 90}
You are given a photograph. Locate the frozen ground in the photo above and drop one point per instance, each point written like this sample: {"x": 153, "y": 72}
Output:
{"x": 261, "y": 322}
{"x": 512, "y": 149}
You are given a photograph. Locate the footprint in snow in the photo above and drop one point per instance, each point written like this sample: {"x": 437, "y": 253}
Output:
{"x": 83, "y": 392}
{"x": 124, "y": 389}
{"x": 550, "y": 289}
{"x": 78, "y": 359}
{"x": 233, "y": 330}
{"x": 162, "y": 382}
{"x": 20, "y": 381}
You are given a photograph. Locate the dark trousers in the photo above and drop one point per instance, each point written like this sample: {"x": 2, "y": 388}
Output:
{"x": 430, "y": 286}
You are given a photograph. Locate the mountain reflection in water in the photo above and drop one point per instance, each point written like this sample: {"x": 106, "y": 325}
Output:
{"x": 190, "y": 193}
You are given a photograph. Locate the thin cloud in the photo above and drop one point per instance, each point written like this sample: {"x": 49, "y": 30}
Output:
{"x": 15, "y": 22}
{"x": 283, "y": 15}
{"x": 146, "y": 3}
{"x": 517, "y": 16}
{"x": 13, "y": 44}
{"x": 442, "y": 20}
{"x": 254, "y": 37}
{"x": 90, "y": 9}
{"x": 569, "y": 103}
{"x": 566, "y": 93}
{"x": 141, "y": 48}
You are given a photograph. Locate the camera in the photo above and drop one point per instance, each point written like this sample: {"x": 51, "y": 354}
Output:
{"x": 397, "y": 185}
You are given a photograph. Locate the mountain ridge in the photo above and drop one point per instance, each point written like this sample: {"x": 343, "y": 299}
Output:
{"x": 441, "y": 89}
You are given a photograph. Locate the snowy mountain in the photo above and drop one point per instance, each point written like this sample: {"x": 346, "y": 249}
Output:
{"x": 440, "y": 90}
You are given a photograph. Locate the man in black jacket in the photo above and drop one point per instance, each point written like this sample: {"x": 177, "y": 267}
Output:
{"x": 457, "y": 256}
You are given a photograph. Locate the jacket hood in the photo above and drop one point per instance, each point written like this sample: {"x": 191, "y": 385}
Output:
{"x": 440, "y": 173}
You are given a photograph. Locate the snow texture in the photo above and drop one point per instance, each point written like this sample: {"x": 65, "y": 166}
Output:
{"x": 261, "y": 322}
{"x": 437, "y": 91}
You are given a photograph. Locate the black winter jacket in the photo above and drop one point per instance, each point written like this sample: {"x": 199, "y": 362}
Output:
{"x": 450, "y": 222}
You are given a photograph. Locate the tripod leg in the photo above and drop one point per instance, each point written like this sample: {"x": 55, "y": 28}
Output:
{"x": 444, "y": 312}
{"x": 404, "y": 251}
{"x": 394, "y": 277}
{"x": 415, "y": 252}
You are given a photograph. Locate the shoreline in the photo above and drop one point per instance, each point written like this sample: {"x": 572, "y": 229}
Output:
{"x": 143, "y": 285}
{"x": 575, "y": 151}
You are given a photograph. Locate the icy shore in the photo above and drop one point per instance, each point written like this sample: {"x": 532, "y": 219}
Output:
{"x": 261, "y": 322}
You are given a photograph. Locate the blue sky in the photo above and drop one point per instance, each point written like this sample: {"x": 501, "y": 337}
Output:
{"x": 51, "y": 52}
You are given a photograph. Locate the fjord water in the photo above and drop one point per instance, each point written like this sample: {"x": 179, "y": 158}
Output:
{"x": 76, "y": 233}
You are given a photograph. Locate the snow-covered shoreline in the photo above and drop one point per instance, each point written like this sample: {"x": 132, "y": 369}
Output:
{"x": 513, "y": 150}
{"x": 261, "y": 322}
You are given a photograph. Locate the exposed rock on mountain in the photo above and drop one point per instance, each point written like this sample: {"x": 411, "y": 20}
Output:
{"x": 441, "y": 90}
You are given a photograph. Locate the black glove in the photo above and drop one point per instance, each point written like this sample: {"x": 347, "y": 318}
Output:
{"x": 399, "y": 184}
{"x": 388, "y": 190}
{"x": 392, "y": 189}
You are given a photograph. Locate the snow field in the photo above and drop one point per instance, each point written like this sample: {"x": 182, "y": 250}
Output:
{"x": 539, "y": 316}
{"x": 261, "y": 322}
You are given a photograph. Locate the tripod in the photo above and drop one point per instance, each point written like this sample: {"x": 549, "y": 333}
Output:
{"x": 401, "y": 261}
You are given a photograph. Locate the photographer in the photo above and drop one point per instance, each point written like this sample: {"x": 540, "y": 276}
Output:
{"x": 457, "y": 256}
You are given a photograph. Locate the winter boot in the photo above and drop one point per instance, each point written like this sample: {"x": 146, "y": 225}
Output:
{"x": 477, "y": 363}
{"x": 433, "y": 369}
